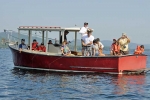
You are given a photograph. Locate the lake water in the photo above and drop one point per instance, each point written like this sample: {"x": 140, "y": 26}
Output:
{"x": 30, "y": 85}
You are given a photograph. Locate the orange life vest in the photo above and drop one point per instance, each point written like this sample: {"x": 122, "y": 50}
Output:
{"x": 139, "y": 50}
{"x": 42, "y": 48}
{"x": 115, "y": 48}
{"x": 34, "y": 46}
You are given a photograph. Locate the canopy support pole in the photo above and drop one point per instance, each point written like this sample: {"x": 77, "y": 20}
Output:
{"x": 62, "y": 36}
{"x": 42, "y": 36}
{"x": 59, "y": 37}
{"x": 19, "y": 42}
{"x": 46, "y": 41}
{"x": 75, "y": 43}
{"x": 30, "y": 39}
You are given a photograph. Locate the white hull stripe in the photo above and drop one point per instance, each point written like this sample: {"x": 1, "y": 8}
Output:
{"x": 102, "y": 68}
{"x": 56, "y": 70}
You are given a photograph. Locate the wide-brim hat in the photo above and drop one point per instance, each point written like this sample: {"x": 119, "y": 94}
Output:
{"x": 89, "y": 30}
{"x": 123, "y": 34}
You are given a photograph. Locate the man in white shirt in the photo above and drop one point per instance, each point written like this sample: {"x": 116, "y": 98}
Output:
{"x": 83, "y": 30}
{"x": 87, "y": 42}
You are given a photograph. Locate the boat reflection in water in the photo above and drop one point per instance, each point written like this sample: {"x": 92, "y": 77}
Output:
{"x": 81, "y": 85}
{"x": 129, "y": 83}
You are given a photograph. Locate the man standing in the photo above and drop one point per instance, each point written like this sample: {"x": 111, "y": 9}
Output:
{"x": 123, "y": 42}
{"x": 83, "y": 30}
{"x": 87, "y": 42}
{"x": 65, "y": 36}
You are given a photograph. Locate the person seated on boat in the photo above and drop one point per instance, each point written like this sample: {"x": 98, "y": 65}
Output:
{"x": 115, "y": 48}
{"x": 123, "y": 42}
{"x": 50, "y": 42}
{"x": 87, "y": 42}
{"x": 65, "y": 50}
{"x": 139, "y": 50}
{"x": 16, "y": 44}
{"x": 100, "y": 45}
{"x": 95, "y": 48}
{"x": 65, "y": 36}
{"x": 22, "y": 45}
{"x": 56, "y": 44}
{"x": 35, "y": 45}
{"x": 42, "y": 48}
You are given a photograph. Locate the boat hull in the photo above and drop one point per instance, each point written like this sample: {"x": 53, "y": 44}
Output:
{"x": 107, "y": 64}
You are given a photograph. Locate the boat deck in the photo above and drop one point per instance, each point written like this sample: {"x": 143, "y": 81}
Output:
{"x": 59, "y": 54}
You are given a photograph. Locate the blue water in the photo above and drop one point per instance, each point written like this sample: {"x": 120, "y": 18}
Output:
{"x": 30, "y": 85}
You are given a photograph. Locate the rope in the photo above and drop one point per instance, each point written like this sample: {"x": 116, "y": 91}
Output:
{"x": 54, "y": 61}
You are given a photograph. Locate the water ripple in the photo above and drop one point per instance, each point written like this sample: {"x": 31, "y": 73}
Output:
{"x": 30, "y": 85}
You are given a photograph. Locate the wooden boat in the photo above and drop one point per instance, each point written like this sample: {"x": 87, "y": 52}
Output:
{"x": 52, "y": 60}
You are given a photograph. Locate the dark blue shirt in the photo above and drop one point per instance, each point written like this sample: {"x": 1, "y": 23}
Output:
{"x": 22, "y": 46}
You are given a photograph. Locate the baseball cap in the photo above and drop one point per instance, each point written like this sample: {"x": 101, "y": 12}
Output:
{"x": 66, "y": 31}
{"x": 22, "y": 39}
{"x": 42, "y": 43}
{"x": 85, "y": 23}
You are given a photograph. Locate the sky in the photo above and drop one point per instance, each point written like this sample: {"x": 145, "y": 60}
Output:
{"x": 108, "y": 18}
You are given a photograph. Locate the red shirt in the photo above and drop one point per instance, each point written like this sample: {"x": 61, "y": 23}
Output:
{"x": 42, "y": 48}
{"x": 35, "y": 46}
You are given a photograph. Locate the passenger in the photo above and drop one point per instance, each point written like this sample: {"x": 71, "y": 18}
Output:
{"x": 115, "y": 48}
{"x": 139, "y": 50}
{"x": 22, "y": 45}
{"x": 123, "y": 42}
{"x": 87, "y": 42}
{"x": 65, "y": 36}
{"x": 65, "y": 50}
{"x": 83, "y": 32}
{"x": 35, "y": 45}
{"x": 100, "y": 45}
{"x": 95, "y": 48}
{"x": 42, "y": 48}
{"x": 50, "y": 42}
{"x": 16, "y": 44}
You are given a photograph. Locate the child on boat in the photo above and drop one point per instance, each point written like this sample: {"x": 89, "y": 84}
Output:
{"x": 65, "y": 50}
{"x": 42, "y": 48}
{"x": 100, "y": 46}
{"x": 96, "y": 51}
{"x": 139, "y": 50}
{"x": 35, "y": 45}
{"x": 115, "y": 48}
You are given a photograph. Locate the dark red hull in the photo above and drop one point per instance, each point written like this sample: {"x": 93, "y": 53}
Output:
{"x": 107, "y": 64}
